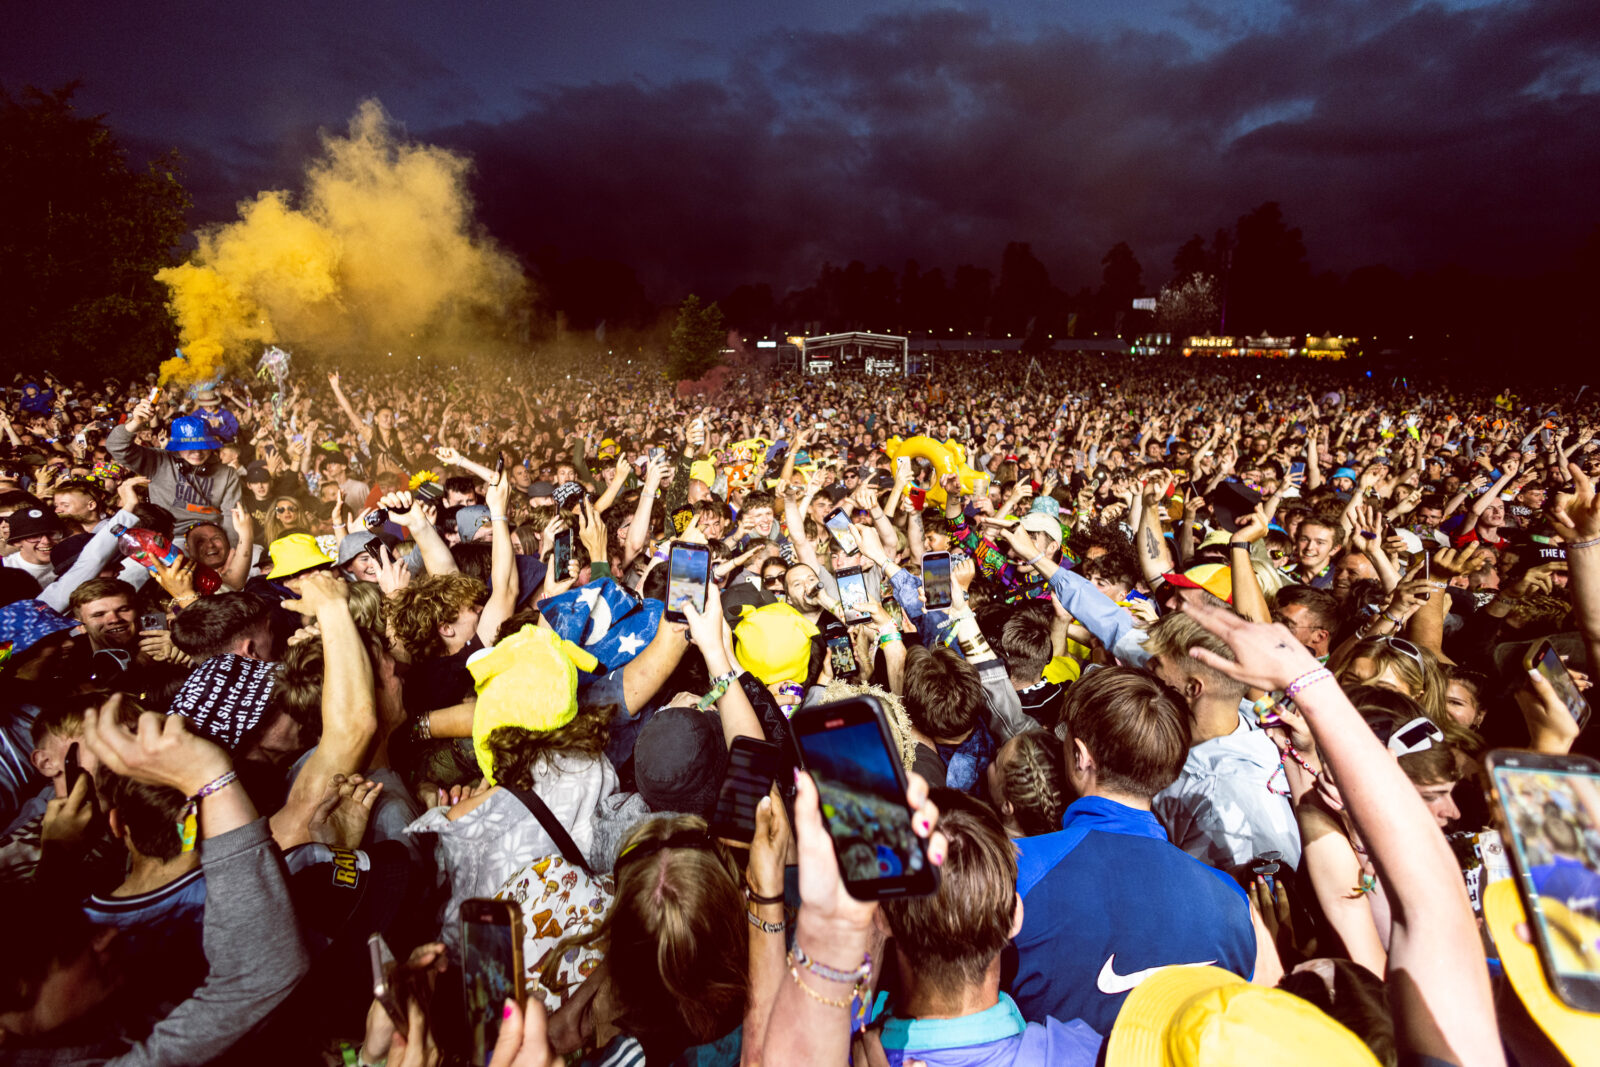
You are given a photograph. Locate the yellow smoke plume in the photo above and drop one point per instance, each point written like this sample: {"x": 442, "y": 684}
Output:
{"x": 382, "y": 255}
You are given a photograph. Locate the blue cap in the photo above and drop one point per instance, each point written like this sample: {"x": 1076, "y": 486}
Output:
{"x": 1345, "y": 472}
{"x": 189, "y": 433}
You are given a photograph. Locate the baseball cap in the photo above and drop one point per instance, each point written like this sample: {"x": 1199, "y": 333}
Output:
{"x": 1185, "y": 1016}
{"x": 679, "y": 760}
{"x": 1046, "y": 505}
{"x": 257, "y": 472}
{"x": 32, "y": 522}
{"x": 1214, "y": 578}
{"x": 1344, "y": 472}
{"x": 353, "y": 544}
{"x": 542, "y": 489}
{"x": 471, "y": 519}
{"x": 1040, "y": 523}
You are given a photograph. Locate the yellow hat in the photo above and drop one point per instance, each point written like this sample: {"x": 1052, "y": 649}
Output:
{"x": 530, "y": 680}
{"x": 703, "y": 470}
{"x": 773, "y": 642}
{"x": 1208, "y": 1017}
{"x": 1569, "y": 1029}
{"x": 296, "y": 552}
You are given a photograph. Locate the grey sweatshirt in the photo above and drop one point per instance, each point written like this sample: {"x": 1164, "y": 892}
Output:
{"x": 168, "y": 489}
{"x": 254, "y": 951}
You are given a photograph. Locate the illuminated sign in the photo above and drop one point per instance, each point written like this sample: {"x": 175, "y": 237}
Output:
{"x": 1211, "y": 342}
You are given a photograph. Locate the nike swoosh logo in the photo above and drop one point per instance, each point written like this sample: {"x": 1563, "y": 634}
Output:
{"x": 1113, "y": 984}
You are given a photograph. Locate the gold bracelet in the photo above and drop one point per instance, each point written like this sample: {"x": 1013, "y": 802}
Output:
{"x": 794, "y": 972}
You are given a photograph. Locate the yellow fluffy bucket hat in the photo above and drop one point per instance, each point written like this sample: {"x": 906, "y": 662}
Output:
{"x": 530, "y": 680}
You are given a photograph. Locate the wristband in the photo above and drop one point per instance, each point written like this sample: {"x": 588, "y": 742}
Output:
{"x": 1035, "y": 559}
{"x": 1239, "y": 544}
{"x": 764, "y": 926}
{"x": 719, "y": 686}
{"x": 1591, "y": 543}
{"x": 498, "y": 518}
{"x": 1306, "y": 681}
{"x": 188, "y": 821}
{"x": 756, "y": 898}
{"x": 888, "y": 638}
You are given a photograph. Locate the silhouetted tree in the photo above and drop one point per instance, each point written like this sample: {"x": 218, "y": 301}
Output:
{"x": 82, "y": 235}
{"x": 1270, "y": 277}
{"x": 1024, "y": 289}
{"x": 697, "y": 340}
{"x": 1190, "y": 259}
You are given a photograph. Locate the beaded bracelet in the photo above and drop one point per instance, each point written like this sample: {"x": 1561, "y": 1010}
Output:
{"x": 1305, "y": 681}
{"x": 1294, "y": 754}
{"x": 863, "y": 973}
{"x": 188, "y": 822}
{"x": 764, "y": 926}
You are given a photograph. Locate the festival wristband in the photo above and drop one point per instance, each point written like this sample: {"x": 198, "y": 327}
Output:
{"x": 188, "y": 821}
{"x": 719, "y": 686}
{"x": 1306, "y": 681}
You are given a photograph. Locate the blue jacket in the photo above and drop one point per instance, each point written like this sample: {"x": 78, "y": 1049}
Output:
{"x": 1107, "y": 898}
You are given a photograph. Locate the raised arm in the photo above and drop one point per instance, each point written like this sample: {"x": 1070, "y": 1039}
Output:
{"x": 1437, "y": 984}
{"x": 502, "y": 563}
{"x": 710, "y": 634}
{"x": 363, "y": 431}
{"x": 403, "y": 509}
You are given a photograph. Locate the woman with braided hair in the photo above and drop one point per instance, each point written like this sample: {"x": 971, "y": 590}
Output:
{"x": 1027, "y": 785}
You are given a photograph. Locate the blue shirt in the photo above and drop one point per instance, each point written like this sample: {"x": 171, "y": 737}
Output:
{"x": 994, "y": 1037}
{"x": 1108, "y": 898}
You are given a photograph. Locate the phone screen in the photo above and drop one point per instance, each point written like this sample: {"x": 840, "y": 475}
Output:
{"x": 70, "y": 767}
{"x": 838, "y": 524}
{"x": 491, "y": 967}
{"x": 853, "y": 594}
{"x": 843, "y": 656}
{"x": 847, "y": 749}
{"x": 936, "y": 579}
{"x": 688, "y": 571}
{"x": 1555, "y": 672}
{"x": 561, "y": 557}
{"x": 752, "y": 768}
{"x": 1552, "y": 814}
{"x": 1297, "y": 468}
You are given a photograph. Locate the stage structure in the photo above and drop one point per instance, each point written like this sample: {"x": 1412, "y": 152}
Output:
{"x": 874, "y": 353}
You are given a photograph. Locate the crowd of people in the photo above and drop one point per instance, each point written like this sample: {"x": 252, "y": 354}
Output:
{"x": 1197, "y": 744}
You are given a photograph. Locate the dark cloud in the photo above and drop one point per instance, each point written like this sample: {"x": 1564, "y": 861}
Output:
{"x": 1414, "y": 137}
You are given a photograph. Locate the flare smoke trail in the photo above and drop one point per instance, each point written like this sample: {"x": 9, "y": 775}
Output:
{"x": 382, "y": 254}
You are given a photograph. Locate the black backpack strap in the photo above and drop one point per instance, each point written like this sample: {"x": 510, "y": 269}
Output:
{"x": 552, "y": 826}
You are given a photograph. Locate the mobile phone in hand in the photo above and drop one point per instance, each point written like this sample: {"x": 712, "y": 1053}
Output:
{"x": 1548, "y": 808}
{"x": 853, "y": 598}
{"x": 1543, "y": 657}
{"x": 491, "y": 969}
{"x": 383, "y": 975}
{"x": 936, "y": 580}
{"x": 152, "y": 620}
{"x": 752, "y": 768}
{"x": 561, "y": 554}
{"x": 838, "y": 524}
{"x": 70, "y": 767}
{"x": 688, "y": 577}
{"x": 853, "y": 760}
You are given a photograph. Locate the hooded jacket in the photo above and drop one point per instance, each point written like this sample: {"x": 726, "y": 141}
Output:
{"x": 191, "y": 494}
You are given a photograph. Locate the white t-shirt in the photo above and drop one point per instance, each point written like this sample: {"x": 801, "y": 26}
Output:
{"x": 42, "y": 572}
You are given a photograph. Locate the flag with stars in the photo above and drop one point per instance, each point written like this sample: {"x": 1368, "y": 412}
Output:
{"x": 605, "y": 620}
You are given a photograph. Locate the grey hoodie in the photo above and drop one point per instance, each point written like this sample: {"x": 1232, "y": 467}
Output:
{"x": 193, "y": 495}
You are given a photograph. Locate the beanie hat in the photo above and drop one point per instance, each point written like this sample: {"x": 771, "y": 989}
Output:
{"x": 530, "y": 679}
{"x": 774, "y": 643}
{"x": 225, "y": 696}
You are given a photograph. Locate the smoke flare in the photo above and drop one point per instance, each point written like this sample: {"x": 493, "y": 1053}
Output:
{"x": 381, "y": 255}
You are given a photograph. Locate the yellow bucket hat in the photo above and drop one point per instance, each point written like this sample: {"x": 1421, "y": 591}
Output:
{"x": 296, "y": 552}
{"x": 530, "y": 680}
{"x": 1188, "y": 1016}
{"x": 773, "y": 642}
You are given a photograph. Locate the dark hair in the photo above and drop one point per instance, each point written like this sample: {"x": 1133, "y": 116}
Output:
{"x": 1025, "y": 644}
{"x": 460, "y": 483}
{"x": 760, "y": 498}
{"x": 211, "y": 625}
{"x": 1115, "y": 566}
{"x": 1134, "y": 725}
{"x": 150, "y": 814}
{"x": 153, "y": 517}
{"x": 1322, "y": 605}
{"x": 943, "y": 694}
{"x": 473, "y": 558}
{"x": 951, "y": 938}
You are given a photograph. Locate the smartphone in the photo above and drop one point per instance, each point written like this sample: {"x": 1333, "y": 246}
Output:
{"x": 491, "y": 969}
{"x": 842, "y": 654}
{"x": 499, "y": 468}
{"x": 1297, "y": 468}
{"x": 936, "y": 579}
{"x": 853, "y": 596}
{"x": 153, "y": 620}
{"x": 1542, "y": 657}
{"x": 657, "y": 453}
{"x": 561, "y": 555}
{"x": 902, "y": 466}
{"x": 70, "y": 767}
{"x": 752, "y": 768}
{"x": 382, "y": 981}
{"x": 155, "y": 392}
{"x": 981, "y": 486}
{"x": 375, "y": 519}
{"x": 856, "y": 766}
{"x": 838, "y": 524}
{"x": 688, "y": 574}
{"x": 1549, "y": 808}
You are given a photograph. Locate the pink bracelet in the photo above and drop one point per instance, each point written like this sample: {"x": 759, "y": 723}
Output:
{"x": 1305, "y": 681}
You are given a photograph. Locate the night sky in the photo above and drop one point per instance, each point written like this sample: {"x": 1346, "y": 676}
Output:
{"x": 714, "y": 143}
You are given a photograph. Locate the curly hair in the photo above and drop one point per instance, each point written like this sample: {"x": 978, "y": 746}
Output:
{"x": 417, "y": 611}
{"x": 517, "y": 750}
{"x": 1035, "y": 783}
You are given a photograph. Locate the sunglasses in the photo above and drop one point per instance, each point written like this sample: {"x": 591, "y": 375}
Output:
{"x": 1418, "y": 735}
{"x": 1404, "y": 647}
{"x": 290, "y": 510}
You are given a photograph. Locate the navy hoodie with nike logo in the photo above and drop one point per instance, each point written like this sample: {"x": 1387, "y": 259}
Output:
{"x": 1106, "y": 900}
